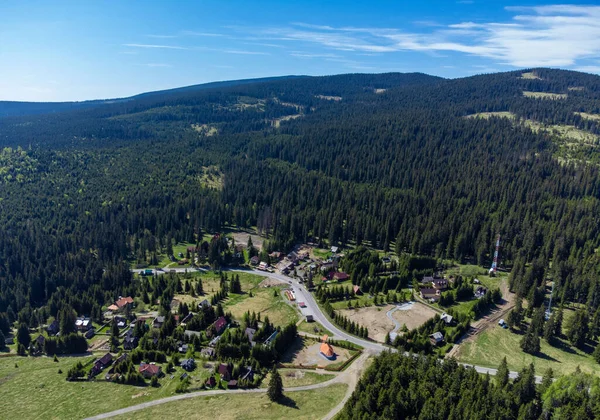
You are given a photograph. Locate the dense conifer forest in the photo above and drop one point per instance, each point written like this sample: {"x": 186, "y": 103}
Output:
{"x": 402, "y": 387}
{"x": 389, "y": 160}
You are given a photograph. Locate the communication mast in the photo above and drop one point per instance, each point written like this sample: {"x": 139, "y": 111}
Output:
{"x": 495, "y": 262}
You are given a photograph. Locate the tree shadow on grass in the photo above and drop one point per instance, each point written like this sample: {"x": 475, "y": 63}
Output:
{"x": 545, "y": 356}
{"x": 288, "y": 402}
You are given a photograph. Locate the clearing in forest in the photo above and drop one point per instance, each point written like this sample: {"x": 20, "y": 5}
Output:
{"x": 263, "y": 301}
{"x": 544, "y": 95}
{"x": 241, "y": 238}
{"x": 276, "y": 122}
{"x": 531, "y": 76}
{"x": 487, "y": 115}
{"x": 571, "y": 134}
{"x": 587, "y": 116}
{"x": 489, "y": 347}
{"x": 372, "y": 317}
{"x": 414, "y": 315}
{"x": 206, "y": 129}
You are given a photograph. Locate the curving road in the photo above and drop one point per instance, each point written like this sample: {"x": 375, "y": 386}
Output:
{"x": 312, "y": 308}
{"x": 349, "y": 377}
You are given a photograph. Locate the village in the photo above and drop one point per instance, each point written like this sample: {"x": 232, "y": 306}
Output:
{"x": 189, "y": 326}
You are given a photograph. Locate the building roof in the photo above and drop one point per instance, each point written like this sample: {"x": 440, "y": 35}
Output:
{"x": 220, "y": 323}
{"x": 106, "y": 359}
{"x": 356, "y": 288}
{"x": 159, "y": 319}
{"x": 124, "y": 301}
{"x": 428, "y": 291}
{"x": 340, "y": 276}
{"x": 113, "y": 308}
{"x": 204, "y": 304}
{"x": 437, "y": 336}
{"x": 446, "y": 318}
{"x": 150, "y": 369}
{"x": 250, "y": 333}
{"x": 326, "y": 349}
{"x": 223, "y": 369}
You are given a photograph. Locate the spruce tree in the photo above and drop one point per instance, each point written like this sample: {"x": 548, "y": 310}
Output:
{"x": 275, "y": 390}
{"x": 502, "y": 374}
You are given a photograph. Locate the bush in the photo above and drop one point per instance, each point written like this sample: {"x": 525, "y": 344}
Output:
{"x": 154, "y": 381}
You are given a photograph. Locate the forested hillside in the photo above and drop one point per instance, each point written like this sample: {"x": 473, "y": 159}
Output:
{"x": 407, "y": 162}
{"x": 400, "y": 387}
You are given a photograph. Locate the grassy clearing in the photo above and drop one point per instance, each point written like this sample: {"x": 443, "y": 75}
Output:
{"x": 164, "y": 260}
{"x": 205, "y": 129}
{"x": 544, "y": 95}
{"x": 314, "y": 404}
{"x": 277, "y": 121}
{"x": 530, "y": 76}
{"x": 492, "y": 345}
{"x": 263, "y": 301}
{"x": 313, "y": 328}
{"x": 295, "y": 377}
{"x": 587, "y": 116}
{"x": 36, "y": 390}
{"x": 211, "y": 177}
{"x": 488, "y": 115}
{"x": 568, "y": 133}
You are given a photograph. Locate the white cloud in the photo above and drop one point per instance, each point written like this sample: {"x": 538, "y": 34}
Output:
{"x": 242, "y": 52}
{"x": 555, "y": 35}
{"x": 194, "y": 33}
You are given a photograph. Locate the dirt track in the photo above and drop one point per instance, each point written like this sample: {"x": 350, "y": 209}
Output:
{"x": 490, "y": 320}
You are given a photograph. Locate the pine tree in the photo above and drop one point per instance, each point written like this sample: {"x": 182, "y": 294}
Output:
{"x": 2, "y": 340}
{"x": 275, "y": 390}
{"x": 549, "y": 329}
{"x": 23, "y": 337}
{"x": 502, "y": 374}
{"x": 558, "y": 323}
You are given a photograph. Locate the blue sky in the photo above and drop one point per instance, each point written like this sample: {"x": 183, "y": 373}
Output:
{"x": 75, "y": 50}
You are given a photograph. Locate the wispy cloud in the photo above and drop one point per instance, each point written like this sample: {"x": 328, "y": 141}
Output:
{"x": 194, "y": 33}
{"x": 168, "y": 47}
{"x": 161, "y": 36}
{"x": 554, "y": 35}
{"x": 242, "y": 52}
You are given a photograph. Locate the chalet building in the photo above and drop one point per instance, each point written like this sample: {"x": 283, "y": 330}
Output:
{"x": 440, "y": 284}
{"x": 224, "y": 371}
{"x": 158, "y": 322}
{"x": 148, "y": 370}
{"x": 83, "y": 324}
{"x": 430, "y": 294}
{"x": 436, "y": 338}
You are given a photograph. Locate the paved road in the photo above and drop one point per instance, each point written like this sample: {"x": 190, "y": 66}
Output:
{"x": 312, "y": 308}
{"x": 303, "y": 295}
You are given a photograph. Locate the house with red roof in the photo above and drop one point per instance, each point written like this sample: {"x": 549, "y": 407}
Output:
{"x": 327, "y": 351}
{"x": 340, "y": 276}
{"x": 220, "y": 325}
{"x": 148, "y": 370}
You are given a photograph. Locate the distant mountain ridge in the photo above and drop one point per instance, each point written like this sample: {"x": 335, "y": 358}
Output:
{"x": 20, "y": 108}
